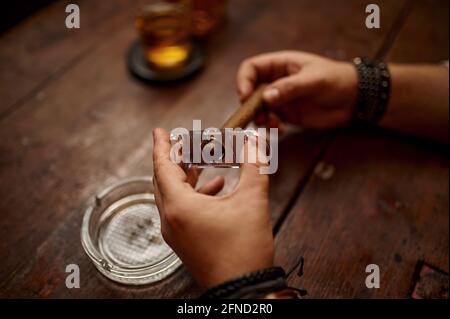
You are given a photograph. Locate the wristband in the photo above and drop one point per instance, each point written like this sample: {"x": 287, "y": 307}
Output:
{"x": 265, "y": 282}
{"x": 374, "y": 86}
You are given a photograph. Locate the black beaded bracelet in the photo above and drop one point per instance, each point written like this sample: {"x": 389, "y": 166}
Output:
{"x": 251, "y": 285}
{"x": 374, "y": 86}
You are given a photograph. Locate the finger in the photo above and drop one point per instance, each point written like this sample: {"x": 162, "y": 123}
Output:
{"x": 192, "y": 175}
{"x": 263, "y": 67}
{"x": 171, "y": 179}
{"x": 251, "y": 180}
{"x": 273, "y": 121}
{"x": 246, "y": 80}
{"x": 158, "y": 199}
{"x": 213, "y": 186}
{"x": 251, "y": 176}
{"x": 284, "y": 90}
{"x": 270, "y": 120}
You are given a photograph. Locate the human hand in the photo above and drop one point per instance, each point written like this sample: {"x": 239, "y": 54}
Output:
{"x": 303, "y": 89}
{"x": 217, "y": 237}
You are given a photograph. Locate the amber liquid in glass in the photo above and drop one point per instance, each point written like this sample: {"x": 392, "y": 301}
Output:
{"x": 164, "y": 29}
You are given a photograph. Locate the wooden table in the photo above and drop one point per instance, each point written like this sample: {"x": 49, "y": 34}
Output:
{"x": 73, "y": 120}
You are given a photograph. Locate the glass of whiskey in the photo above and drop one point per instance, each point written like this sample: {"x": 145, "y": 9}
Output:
{"x": 164, "y": 27}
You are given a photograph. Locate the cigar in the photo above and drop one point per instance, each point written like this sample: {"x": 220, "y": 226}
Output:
{"x": 247, "y": 111}
{"x": 239, "y": 119}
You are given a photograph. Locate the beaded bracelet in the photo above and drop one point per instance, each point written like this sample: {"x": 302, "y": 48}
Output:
{"x": 374, "y": 86}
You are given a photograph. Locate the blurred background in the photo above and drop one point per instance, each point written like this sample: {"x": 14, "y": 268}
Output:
{"x": 13, "y": 13}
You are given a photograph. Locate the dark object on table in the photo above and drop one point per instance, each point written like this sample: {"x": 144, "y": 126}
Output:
{"x": 374, "y": 86}
{"x": 15, "y": 11}
{"x": 432, "y": 284}
{"x": 139, "y": 67}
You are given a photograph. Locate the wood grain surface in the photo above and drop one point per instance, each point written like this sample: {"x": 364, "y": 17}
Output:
{"x": 73, "y": 121}
{"x": 385, "y": 201}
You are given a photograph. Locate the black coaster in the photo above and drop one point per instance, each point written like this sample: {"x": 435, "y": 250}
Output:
{"x": 139, "y": 67}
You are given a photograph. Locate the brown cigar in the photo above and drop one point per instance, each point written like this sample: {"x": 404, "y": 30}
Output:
{"x": 247, "y": 111}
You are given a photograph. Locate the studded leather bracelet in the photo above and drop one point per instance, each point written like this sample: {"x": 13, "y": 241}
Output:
{"x": 374, "y": 86}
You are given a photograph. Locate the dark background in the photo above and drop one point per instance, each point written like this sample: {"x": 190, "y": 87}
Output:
{"x": 13, "y": 13}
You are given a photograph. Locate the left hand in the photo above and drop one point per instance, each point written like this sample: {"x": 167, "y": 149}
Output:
{"x": 217, "y": 237}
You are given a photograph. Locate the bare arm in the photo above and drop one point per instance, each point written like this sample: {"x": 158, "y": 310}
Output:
{"x": 419, "y": 101}
{"x": 320, "y": 93}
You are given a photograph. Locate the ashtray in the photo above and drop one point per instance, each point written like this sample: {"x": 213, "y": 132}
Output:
{"x": 121, "y": 234}
{"x": 139, "y": 66}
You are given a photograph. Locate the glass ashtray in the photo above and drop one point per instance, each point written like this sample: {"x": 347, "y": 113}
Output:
{"x": 121, "y": 233}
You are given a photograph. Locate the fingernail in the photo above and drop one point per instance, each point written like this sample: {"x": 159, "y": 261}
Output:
{"x": 244, "y": 91}
{"x": 271, "y": 94}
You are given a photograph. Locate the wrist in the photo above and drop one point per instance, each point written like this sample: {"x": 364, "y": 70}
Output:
{"x": 227, "y": 271}
{"x": 374, "y": 87}
{"x": 348, "y": 89}
{"x": 263, "y": 283}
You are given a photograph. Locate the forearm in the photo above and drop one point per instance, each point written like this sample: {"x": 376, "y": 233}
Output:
{"x": 419, "y": 101}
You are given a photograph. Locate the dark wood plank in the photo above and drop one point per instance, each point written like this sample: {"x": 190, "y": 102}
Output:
{"x": 424, "y": 37}
{"x": 41, "y": 48}
{"x": 73, "y": 132}
{"x": 386, "y": 202}
{"x": 93, "y": 127}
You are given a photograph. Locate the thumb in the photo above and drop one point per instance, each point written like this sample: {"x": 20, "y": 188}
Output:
{"x": 284, "y": 90}
{"x": 252, "y": 179}
{"x": 251, "y": 176}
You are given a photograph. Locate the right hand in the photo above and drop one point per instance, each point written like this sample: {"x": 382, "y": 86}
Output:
{"x": 303, "y": 89}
